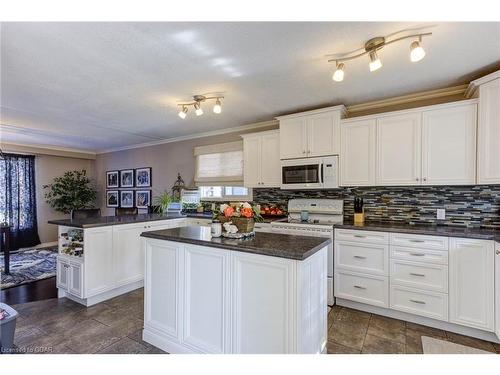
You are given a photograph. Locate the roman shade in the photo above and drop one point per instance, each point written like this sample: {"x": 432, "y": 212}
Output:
{"x": 219, "y": 164}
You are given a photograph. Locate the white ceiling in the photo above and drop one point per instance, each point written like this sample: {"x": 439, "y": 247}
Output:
{"x": 97, "y": 86}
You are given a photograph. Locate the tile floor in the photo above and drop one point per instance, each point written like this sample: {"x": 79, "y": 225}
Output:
{"x": 115, "y": 326}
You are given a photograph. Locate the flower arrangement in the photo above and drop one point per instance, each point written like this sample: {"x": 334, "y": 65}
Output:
{"x": 241, "y": 214}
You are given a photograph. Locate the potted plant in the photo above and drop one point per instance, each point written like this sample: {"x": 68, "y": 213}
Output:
{"x": 162, "y": 201}
{"x": 243, "y": 215}
{"x": 71, "y": 191}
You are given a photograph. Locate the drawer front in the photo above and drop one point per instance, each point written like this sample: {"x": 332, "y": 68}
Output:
{"x": 419, "y": 255}
{"x": 432, "y": 277}
{"x": 361, "y": 236}
{"x": 416, "y": 240}
{"x": 362, "y": 257}
{"x": 372, "y": 290}
{"x": 429, "y": 304}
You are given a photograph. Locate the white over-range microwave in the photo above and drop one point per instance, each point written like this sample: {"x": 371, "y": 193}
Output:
{"x": 310, "y": 173}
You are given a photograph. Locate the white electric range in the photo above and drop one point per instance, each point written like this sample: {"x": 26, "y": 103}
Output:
{"x": 322, "y": 215}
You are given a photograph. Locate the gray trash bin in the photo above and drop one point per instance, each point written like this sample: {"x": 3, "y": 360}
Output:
{"x": 7, "y": 328}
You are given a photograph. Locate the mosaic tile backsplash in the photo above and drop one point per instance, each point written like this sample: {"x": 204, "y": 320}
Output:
{"x": 472, "y": 206}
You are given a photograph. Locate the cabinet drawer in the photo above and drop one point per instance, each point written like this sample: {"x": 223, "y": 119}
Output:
{"x": 372, "y": 290}
{"x": 419, "y": 255}
{"x": 430, "y": 304}
{"x": 361, "y": 236}
{"x": 433, "y": 277}
{"x": 417, "y": 240}
{"x": 362, "y": 257}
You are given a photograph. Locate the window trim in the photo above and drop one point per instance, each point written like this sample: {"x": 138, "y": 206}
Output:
{"x": 229, "y": 198}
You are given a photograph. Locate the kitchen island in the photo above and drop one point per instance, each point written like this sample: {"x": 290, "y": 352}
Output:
{"x": 263, "y": 294}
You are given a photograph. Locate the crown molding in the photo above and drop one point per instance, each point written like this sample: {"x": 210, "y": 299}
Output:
{"x": 340, "y": 108}
{"x": 235, "y": 129}
{"x": 47, "y": 150}
{"x": 472, "y": 89}
{"x": 405, "y": 99}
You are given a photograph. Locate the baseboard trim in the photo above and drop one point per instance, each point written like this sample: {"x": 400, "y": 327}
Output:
{"x": 102, "y": 296}
{"x": 467, "y": 331}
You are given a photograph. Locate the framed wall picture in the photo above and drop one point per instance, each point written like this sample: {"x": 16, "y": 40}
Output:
{"x": 143, "y": 177}
{"x": 142, "y": 198}
{"x": 112, "y": 198}
{"x": 126, "y": 198}
{"x": 112, "y": 179}
{"x": 127, "y": 178}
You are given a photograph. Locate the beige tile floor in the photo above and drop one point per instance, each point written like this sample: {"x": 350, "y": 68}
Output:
{"x": 115, "y": 326}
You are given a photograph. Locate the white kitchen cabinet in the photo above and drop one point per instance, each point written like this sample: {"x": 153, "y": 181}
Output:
{"x": 497, "y": 289}
{"x": 62, "y": 276}
{"x": 262, "y": 159}
{"x": 449, "y": 145}
{"x": 471, "y": 283}
{"x": 70, "y": 275}
{"x": 311, "y": 134}
{"x": 128, "y": 254}
{"x": 358, "y": 152}
{"x": 98, "y": 255}
{"x": 399, "y": 150}
{"x": 489, "y": 133}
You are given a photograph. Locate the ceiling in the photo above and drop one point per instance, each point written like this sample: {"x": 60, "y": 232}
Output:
{"x": 99, "y": 86}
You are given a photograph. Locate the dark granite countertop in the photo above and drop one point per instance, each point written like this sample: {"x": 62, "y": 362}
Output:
{"x": 114, "y": 220}
{"x": 199, "y": 215}
{"x": 272, "y": 244}
{"x": 431, "y": 230}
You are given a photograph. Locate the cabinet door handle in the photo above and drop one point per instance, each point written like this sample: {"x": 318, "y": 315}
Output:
{"x": 417, "y": 274}
{"x": 308, "y": 151}
{"x": 419, "y": 241}
{"x": 359, "y": 287}
{"x": 359, "y": 257}
{"x": 417, "y": 301}
{"x": 416, "y": 178}
{"x": 497, "y": 252}
{"x": 359, "y": 236}
{"x": 304, "y": 151}
{"x": 425, "y": 178}
{"x": 417, "y": 254}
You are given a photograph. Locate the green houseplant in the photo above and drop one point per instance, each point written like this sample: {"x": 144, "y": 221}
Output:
{"x": 71, "y": 191}
{"x": 162, "y": 201}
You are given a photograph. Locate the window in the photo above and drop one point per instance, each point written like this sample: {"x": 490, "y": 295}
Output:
{"x": 219, "y": 165}
{"x": 225, "y": 193}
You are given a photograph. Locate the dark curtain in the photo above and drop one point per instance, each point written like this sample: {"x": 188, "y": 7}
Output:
{"x": 18, "y": 199}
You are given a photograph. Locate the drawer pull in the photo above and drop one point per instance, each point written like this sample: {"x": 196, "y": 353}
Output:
{"x": 417, "y": 254}
{"x": 417, "y": 241}
{"x": 417, "y": 301}
{"x": 417, "y": 274}
{"x": 359, "y": 236}
{"x": 359, "y": 257}
{"x": 359, "y": 287}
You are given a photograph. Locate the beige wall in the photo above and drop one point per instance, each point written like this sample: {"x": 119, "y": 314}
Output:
{"x": 165, "y": 159}
{"x": 46, "y": 168}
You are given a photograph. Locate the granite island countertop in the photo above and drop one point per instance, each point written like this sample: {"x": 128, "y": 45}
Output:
{"x": 430, "y": 230}
{"x": 103, "y": 221}
{"x": 271, "y": 244}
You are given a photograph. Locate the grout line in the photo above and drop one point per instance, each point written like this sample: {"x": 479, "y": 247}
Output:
{"x": 367, "y": 328}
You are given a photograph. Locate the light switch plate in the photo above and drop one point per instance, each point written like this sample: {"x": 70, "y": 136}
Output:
{"x": 441, "y": 214}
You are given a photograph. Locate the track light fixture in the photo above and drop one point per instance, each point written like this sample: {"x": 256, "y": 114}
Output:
{"x": 371, "y": 48}
{"x": 196, "y": 103}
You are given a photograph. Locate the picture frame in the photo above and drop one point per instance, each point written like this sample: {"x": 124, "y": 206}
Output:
{"x": 126, "y": 198}
{"x": 112, "y": 198}
{"x": 127, "y": 177}
{"x": 142, "y": 198}
{"x": 112, "y": 179}
{"x": 143, "y": 177}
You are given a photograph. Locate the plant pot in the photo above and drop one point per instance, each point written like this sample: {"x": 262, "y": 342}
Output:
{"x": 244, "y": 224}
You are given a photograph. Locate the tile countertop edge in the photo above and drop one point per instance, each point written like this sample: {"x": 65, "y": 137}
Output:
{"x": 162, "y": 235}
{"x": 445, "y": 231}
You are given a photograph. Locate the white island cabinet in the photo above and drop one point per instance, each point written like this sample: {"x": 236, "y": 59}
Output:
{"x": 204, "y": 299}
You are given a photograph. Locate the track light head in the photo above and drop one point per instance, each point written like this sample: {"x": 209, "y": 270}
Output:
{"x": 217, "y": 107}
{"x": 375, "y": 62}
{"x": 198, "y": 109}
{"x": 183, "y": 113}
{"x": 338, "y": 75}
{"x": 417, "y": 53}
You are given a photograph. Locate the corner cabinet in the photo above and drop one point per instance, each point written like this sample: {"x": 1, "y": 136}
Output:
{"x": 489, "y": 133}
{"x": 472, "y": 283}
{"x": 261, "y": 159}
{"x": 311, "y": 134}
{"x": 497, "y": 289}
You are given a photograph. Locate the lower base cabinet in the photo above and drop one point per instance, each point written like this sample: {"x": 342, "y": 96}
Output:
{"x": 70, "y": 276}
{"x": 206, "y": 300}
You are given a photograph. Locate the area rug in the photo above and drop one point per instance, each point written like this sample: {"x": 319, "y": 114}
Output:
{"x": 27, "y": 266}
{"x": 435, "y": 346}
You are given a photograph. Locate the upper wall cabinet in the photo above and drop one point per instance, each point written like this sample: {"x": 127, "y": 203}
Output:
{"x": 488, "y": 166}
{"x": 261, "y": 157}
{"x": 358, "y": 153}
{"x": 311, "y": 134}
{"x": 433, "y": 145}
{"x": 449, "y": 146}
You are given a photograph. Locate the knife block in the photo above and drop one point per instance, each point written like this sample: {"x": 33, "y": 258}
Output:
{"x": 359, "y": 218}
